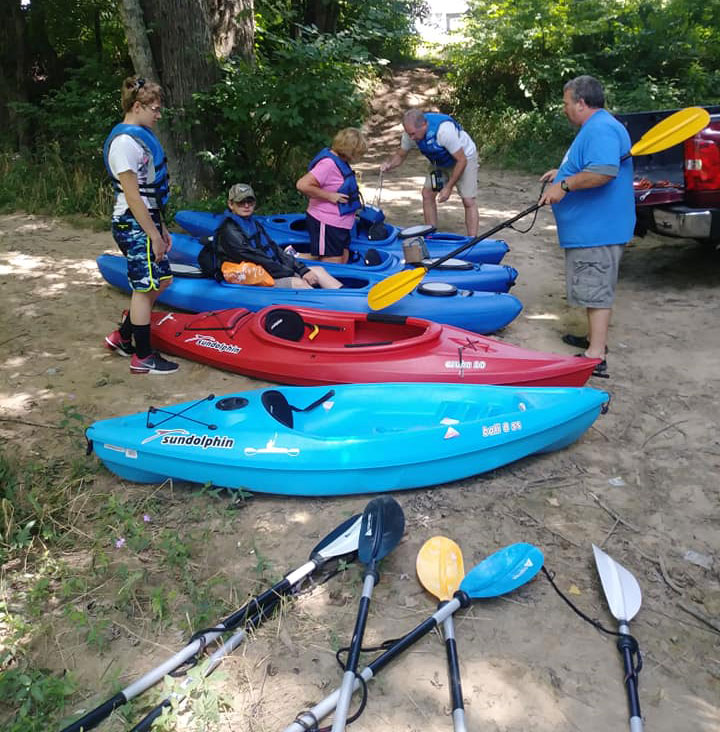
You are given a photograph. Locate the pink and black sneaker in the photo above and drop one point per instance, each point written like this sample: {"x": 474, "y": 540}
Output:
{"x": 115, "y": 343}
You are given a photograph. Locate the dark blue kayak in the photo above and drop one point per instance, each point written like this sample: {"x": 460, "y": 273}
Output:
{"x": 465, "y": 275}
{"x": 481, "y": 312}
{"x": 290, "y": 229}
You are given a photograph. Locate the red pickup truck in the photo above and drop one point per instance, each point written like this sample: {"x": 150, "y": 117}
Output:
{"x": 677, "y": 191}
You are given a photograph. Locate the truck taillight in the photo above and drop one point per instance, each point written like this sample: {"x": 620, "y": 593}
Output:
{"x": 702, "y": 161}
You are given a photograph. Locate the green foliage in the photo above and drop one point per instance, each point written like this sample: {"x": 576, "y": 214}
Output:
{"x": 508, "y": 77}
{"x": 274, "y": 116}
{"x": 34, "y": 501}
{"x": 385, "y": 28}
{"x": 63, "y": 173}
{"x": 45, "y": 182}
{"x": 37, "y": 696}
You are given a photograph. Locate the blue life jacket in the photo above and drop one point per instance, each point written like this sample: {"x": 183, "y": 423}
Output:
{"x": 159, "y": 190}
{"x": 349, "y": 186}
{"x": 254, "y": 232}
{"x": 436, "y": 154}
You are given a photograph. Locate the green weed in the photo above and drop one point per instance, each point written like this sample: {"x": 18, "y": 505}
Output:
{"x": 37, "y": 696}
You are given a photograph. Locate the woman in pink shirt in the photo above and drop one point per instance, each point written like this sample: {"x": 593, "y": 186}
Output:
{"x": 333, "y": 194}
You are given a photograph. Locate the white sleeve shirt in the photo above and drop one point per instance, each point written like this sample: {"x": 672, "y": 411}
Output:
{"x": 127, "y": 154}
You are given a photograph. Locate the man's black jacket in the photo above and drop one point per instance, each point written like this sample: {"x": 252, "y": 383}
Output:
{"x": 231, "y": 244}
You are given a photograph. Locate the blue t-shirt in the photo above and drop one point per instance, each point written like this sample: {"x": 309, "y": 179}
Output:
{"x": 604, "y": 215}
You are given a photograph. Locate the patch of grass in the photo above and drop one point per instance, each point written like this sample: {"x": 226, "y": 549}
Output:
{"x": 81, "y": 559}
{"x": 36, "y": 696}
{"x": 45, "y": 184}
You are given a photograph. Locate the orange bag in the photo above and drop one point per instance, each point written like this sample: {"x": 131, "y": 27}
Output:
{"x": 246, "y": 273}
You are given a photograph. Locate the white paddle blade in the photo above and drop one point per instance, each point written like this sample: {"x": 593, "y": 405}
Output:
{"x": 343, "y": 540}
{"x": 621, "y": 588}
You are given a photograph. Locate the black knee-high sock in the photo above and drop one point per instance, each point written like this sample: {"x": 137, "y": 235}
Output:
{"x": 141, "y": 334}
{"x": 126, "y": 328}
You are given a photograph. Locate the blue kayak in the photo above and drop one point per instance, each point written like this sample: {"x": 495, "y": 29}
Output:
{"x": 467, "y": 275}
{"x": 352, "y": 438}
{"x": 481, "y": 312}
{"x": 290, "y": 229}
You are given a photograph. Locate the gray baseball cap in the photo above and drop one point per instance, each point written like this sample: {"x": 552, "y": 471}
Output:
{"x": 241, "y": 191}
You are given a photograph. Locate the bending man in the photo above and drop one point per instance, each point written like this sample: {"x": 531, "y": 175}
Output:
{"x": 453, "y": 158}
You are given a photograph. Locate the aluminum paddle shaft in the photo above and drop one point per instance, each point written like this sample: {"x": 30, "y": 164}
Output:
{"x": 456, "y": 698}
{"x": 381, "y": 528}
{"x": 349, "y": 680}
{"x": 628, "y": 647}
{"x": 306, "y": 720}
{"x": 341, "y": 542}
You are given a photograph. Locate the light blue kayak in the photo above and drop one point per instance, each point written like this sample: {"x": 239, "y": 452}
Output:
{"x": 481, "y": 312}
{"x": 352, "y": 438}
{"x": 289, "y": 228}
{"x": 462, "y": 274}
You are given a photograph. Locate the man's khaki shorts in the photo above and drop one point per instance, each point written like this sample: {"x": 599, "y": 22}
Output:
{"x": 467, "y": 185}
{"x": 591, "y": 274}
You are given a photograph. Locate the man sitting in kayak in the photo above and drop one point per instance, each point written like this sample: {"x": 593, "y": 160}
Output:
{"x": 242, "y": 238}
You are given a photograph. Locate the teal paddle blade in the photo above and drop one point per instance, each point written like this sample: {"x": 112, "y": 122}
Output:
{"x": 504, "y": 571}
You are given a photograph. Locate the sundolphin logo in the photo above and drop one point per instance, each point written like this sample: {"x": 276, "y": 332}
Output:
{"x": 369, "y": 530}
{"x": 208, "y": 341}
{"x": 528, "y": 564}
{"x": 183, "y": 437}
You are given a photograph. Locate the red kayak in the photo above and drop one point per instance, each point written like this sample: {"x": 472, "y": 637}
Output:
{"x": 305, "y": 346}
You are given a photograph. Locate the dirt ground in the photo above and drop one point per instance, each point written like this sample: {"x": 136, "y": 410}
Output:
{"x": 642, "y": 483}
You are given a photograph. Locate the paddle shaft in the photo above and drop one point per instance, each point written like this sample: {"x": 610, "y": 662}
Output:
{"x": 95, "y": 716}
{"x": 212, "y": 663}
{"x": 347, "y": 688}
{"x": 305, "y": 720}
{"x": 458, "y": 708}
{"x": 495, "y": 229}
{"x": 482, "y": 236}
{"x": 625, "y": 646}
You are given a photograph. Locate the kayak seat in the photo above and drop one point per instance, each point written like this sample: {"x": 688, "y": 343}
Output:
{"x": 280, "y": 409}
{"x": 284, "y": 323}
{"x": 372, "y": 257}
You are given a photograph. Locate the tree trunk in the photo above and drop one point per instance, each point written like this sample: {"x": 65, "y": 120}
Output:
{"x": 138, "y": 43}
{"x": 170, "y": 41}
{"x": 13, "y": 73}
{"x": 233, "y": 27}
{"x": 323, "y": 14}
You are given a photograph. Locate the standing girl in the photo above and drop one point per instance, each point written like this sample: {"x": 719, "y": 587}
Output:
{"x": 137, "y": 166}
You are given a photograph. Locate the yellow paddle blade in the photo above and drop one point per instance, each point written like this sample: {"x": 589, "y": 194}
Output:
{"x": 440, "y": 567}
{"x": 392, "y": 288}
{"x": 672, "y": 130}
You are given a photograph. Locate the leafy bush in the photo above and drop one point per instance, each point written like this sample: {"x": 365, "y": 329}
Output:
{"x": 64, "y": 172}
{"x": 508, "y": 77}
{"x": 38, "y": 697}
{"x": 273, "y": 117}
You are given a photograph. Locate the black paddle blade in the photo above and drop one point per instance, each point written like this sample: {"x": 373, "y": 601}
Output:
{"x": 382, "y": 527}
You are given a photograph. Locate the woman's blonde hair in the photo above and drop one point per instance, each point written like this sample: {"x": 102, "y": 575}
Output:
{"x": 350, "y": 143}
{"x": 137, "y": 89}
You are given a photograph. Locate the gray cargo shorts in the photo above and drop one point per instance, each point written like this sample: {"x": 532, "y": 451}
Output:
{"x": 591, "y": 274}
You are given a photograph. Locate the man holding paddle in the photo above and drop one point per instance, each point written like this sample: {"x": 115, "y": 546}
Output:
{"x": 593, "y": 202}
{"x": 453, "y": 156}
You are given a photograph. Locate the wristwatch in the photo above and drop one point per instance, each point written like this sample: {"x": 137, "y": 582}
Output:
{"x": 564, "y": 186}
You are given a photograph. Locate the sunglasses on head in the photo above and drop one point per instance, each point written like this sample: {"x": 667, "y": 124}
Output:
{"x": 246, "y": 202}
